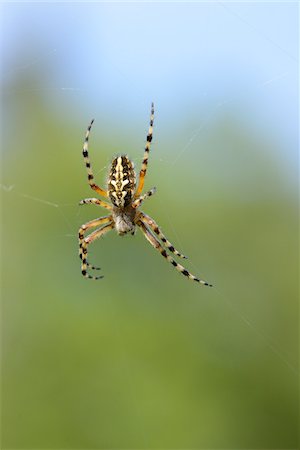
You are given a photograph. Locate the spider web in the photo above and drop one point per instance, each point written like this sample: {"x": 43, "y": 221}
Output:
{"x": 68, "y": 224}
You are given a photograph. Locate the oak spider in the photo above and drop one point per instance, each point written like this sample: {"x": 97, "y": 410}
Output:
{"x": 125, "y": 199}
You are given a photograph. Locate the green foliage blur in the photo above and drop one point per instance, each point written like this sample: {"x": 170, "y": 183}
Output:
{"x": 145, "y": 358}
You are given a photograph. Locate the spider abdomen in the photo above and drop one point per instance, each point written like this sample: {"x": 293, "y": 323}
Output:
{"x": 121, "y": 182}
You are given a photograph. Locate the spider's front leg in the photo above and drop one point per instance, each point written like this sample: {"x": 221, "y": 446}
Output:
{"x": 85, "y": 153}
{"x": 83, "y": 242}
{"x": 156, "y": 244}
{"x": 91, "y": 238}
{"x": 154, "y": 227}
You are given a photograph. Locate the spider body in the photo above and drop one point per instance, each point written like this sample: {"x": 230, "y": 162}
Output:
{"x": 121, "y": 187}
{"x": 125, "y": 198}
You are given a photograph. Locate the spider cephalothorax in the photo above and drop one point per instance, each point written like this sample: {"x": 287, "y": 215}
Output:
{"x": 125, "y": 199}
{"x": 124, "y": 219}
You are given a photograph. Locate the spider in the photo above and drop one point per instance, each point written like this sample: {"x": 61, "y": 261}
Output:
{"x": 124, "y": 202}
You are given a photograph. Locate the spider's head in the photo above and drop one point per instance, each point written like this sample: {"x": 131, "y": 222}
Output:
{"x": 124, "y": 220}
{"x": 121, "y": 182}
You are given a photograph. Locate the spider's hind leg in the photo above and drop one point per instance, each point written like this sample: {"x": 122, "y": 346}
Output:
{"x": 85, "y": 153}
{"x": 140, "y": 200}
{"x": 95, "y": 201}
{"x": 146, "y": 155}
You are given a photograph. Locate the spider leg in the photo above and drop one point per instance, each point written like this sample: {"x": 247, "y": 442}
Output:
{"x": 88, "y": 240}
{"x": 88, "y": 164}
{"x": 155, "y": 243}
{"x": 146, "y": 155}
{"x": 84, "y": 228}
{"x": 140, "y": 200}
{"x": 154, "y": 227}
{"x": 95, "y": 201}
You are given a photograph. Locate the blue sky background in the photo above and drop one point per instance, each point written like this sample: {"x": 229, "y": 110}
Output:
{"x": 110, "y": 60}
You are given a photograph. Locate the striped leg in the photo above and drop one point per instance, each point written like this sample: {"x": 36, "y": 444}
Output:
{"x": 154, "y": 227}
{"x": 155, "y": 243}
{"x": 95, "y": 201}
{"x": 88, "y": 164}
{"x": 146, "y": 155}
{"x": 88, "y": 240}
{"x": 140, "y": 200}
{"x": 84, "y": 228}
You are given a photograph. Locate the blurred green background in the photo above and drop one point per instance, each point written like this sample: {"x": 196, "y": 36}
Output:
{"x": 145, "y": 358}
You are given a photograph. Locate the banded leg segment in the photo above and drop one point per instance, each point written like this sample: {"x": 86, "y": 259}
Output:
{"x": 88, "y": 240}
{"x": 154, "y": 227}
{"x": 140, "y": 200}
{"x": 84, "y": 228}
{"x": 95, "y": 201}
{"x": 146, "y": 155}
{"x": 88, "y": 164}
{"x": 155, "y": 243}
